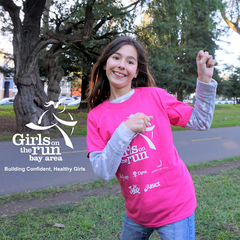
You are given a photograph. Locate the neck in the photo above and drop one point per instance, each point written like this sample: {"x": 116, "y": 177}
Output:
{"x": 118, "y": 93}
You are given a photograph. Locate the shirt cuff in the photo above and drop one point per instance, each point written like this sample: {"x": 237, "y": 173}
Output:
{"x": 125, "y": 133}
{"x": 206, "y": 88}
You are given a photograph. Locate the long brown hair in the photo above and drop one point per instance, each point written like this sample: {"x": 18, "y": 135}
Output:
{"x": 99, "y": 88}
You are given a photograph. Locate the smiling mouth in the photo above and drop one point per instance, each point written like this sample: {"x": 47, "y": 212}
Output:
{"x": 119, "y": 74}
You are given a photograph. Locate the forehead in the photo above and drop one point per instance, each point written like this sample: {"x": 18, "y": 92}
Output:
{"x": 127, "y": 51}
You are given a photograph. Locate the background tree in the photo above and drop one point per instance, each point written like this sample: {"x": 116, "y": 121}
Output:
{"x": 29, "y": 40}
{"x": 110, "y": 19}
{"x": 232, "y": 86}
{"x": 27, "y": 44}
{"x": 175, "y": 32}
{"x": 231, "y": 14}
{"x": 7, "y": 68}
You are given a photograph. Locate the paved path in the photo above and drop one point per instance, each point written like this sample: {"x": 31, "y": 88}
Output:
{"x": 192, "y": 146}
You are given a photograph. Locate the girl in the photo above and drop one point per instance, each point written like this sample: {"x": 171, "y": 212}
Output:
{"x": 129, "y": 134}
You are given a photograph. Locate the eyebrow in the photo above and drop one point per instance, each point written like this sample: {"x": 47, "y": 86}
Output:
{"x": 131, "y": 57}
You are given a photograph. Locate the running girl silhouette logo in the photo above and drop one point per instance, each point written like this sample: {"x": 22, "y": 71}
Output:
{"x": 71, "y": 123}
{"x": 149, "y": 129}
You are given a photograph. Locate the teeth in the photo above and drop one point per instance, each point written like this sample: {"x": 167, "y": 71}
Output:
{"x": 120, "y": 75}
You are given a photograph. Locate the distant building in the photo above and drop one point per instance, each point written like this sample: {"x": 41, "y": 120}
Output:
{"x": 7, "y": 86}
{"x": 65, "y": 87}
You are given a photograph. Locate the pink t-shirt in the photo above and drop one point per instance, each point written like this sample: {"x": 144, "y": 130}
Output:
{"x": 155, "y": 183}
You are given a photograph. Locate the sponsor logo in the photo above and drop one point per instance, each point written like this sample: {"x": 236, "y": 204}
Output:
{"x": 134, "y": 189}
{"x": 139, "y": 173}
{"x": 151, "y": 186}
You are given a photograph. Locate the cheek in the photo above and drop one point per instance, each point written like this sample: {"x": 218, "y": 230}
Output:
{"x": 108, "y": 67}
{"x": 109, "y": 63}
{"x": 133, "y": 70}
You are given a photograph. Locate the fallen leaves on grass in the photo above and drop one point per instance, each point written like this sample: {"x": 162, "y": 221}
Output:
{"x": 59, "y": 225}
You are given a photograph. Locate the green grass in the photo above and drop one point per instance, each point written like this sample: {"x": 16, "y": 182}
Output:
{"x": 214, "y": 163}
{"x": 224, "y": 116}
{"x": 7, "y": 111}
{"x": 50, "y": 192}
{"x": 100, "y": 217}
{"x": 217, "y": 215}
{"x": 218, "y": 212}
{"x": 90, "y": 218}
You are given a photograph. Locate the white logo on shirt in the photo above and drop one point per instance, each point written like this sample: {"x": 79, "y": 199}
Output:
{"x": 123, "y": 177}
{"x": 151, "y": 186}
{"x": 139, "y": 173}
{"x": 134, "y": 154}
{"x": 134, "y": 189}
{"x": 159, "y": 167}
{"x": 150, "y": 143}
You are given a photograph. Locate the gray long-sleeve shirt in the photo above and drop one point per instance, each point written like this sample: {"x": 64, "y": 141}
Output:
{"x": 106, "y": 162}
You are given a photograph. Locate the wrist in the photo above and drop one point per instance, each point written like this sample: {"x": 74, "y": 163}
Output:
{"x": 205, "y": 79}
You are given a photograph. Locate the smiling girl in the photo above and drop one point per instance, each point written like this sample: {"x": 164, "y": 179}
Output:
{"x": 129, "y": 135}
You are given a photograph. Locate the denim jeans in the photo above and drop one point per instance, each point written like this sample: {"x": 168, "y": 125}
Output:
{"x": 181, "y": 230}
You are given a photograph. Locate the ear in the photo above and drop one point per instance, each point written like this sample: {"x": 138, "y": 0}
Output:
{"x": 137, "y": 71}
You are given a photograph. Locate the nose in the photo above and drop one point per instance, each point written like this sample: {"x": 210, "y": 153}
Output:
{"x": 121, "y": 65}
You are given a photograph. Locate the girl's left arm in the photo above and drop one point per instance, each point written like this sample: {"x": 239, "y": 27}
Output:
{"x": 202, "y": 114}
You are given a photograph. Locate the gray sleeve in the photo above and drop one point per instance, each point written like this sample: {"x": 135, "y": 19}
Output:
{"x": 202, "y": 114}
{"x": 106, "y": 162}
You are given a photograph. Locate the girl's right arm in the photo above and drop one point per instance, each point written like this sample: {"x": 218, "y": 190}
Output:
{"x": 106, "y": 162}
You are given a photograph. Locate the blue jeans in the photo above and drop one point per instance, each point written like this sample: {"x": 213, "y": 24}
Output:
{"x": 181, "y": 230}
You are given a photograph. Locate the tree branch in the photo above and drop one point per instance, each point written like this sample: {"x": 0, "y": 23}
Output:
{"x": 31, "y": 8}
{"x": 233, "y": 26}
{"x": 109, "y": 34}
{"x": 87, "y": 29}
{"x": 6, "y": 70}
{"x": 13, "y": 11}
{"x": 99, "y": 25}
{"x": 96, "y": 28}
{"x": 134, "y": 4}
{"x": 74, "y": 26}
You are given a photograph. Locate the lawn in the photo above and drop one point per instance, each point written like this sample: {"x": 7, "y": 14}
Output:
{"x": 8, "y": 123}
{"x": 100, "y": 217}
{"x": 224, "y": 116}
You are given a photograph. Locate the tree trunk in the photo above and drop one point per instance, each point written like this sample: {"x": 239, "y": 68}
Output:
{"x": 85, "y": 81}
{"x": 54, "y": 78}
{"x": 30, "y": 99}
{"x": 27, "y": 43}
{"x": 29, "y": 103}
{"x": 54, "y": 72}
{"x": 180, "y": 93}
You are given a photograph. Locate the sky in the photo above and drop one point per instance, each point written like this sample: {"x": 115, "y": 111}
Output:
{"x": 227, "y": 54}
{"x": 229, "y": 51}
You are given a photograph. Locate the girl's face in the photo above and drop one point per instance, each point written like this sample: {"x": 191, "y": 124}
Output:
{"x": 121, "y": 68}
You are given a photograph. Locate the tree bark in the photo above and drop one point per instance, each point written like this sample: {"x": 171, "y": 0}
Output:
{"x": 30, "y": 99}
{"x": 85, "y": 82}
{"x": 29, "y": 102}
{"x": 54, "y": 72}
{"x": 180, "y": 93}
